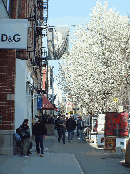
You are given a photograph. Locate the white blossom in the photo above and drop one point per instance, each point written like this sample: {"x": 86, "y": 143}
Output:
{"x": 96, "y": 67}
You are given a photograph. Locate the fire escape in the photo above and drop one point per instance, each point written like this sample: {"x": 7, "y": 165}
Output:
{"x": 36, "y": 53}
{"x": 41, "y": 31}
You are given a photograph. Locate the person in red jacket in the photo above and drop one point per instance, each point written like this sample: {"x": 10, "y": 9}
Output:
{"x": 39, "y": 130}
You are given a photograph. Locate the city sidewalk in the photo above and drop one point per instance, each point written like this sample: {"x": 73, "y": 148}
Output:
{"x": 51, "y": 163}
{"x": 69, "y": 158}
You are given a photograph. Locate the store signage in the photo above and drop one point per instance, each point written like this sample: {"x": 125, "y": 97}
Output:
{"x": 39, "y": 103}
{"x": 15, "y": 38}
{"x": 13, "y": 33}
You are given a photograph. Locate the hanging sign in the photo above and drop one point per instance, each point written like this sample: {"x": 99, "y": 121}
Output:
{"x": 13, "y": 33}
{"x": 39, "y": 103}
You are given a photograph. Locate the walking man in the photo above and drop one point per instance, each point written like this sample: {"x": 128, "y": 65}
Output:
{"x": 81, "y": 128}
{"x": 39, "y": 130}
{"x": 70, "y": 126}
{"x": 56, "y": 124}
{"x": 51, "y": 120}
{"x": 61, "y": 131}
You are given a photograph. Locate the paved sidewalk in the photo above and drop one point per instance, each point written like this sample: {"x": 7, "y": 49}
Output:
{"x": 69, "y": 158}
{"x": 51, "y": 163}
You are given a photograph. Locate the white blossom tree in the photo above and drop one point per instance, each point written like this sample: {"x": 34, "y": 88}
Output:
{"x": 97, "y": 66}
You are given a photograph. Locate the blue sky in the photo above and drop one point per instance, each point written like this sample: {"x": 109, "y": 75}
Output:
{"x": 72, "y": 12}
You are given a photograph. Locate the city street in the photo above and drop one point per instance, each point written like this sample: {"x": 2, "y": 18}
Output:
{"x": 65, "y": 65}
{"x": 69, "y": 158}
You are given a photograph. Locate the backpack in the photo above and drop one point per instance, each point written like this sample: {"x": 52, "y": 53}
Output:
{"x": 17, "y": 139}
{"x": 24, "y": 133}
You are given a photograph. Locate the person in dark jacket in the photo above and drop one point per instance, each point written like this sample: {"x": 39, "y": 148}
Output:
{"x": 81, "y": 129}
{"x": 56, "y": 124}
{"x": 25, "y": 138}
{"x": 44, "y": 119}
{"x": 61, "y": 130}
{"x": 39, "y": 130}
{"x": 51, "y": 120}
{"x": 70, "y": 126}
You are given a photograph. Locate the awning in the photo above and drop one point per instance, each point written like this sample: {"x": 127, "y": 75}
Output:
{"x": 46, "y": 105}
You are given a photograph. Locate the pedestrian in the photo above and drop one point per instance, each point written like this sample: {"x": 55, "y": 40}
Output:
{"x": 61, "y": 130}
{"x": 81, "y": 129}
{"x": 77, "y": 121}
{"x": 56, "y": 124}
{"x": 39, "y": 130}
{"x": 74, "y": 125}
{"x": 44, "y": 119}
{"x": 25, "y": 138}
{"x": 48, "y": 121}
{"x": 51, "y": 120}
{"x": 66, "y": 119}
{"x": 70, "y": 125}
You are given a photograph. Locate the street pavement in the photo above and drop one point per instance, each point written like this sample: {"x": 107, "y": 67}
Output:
{"x": 69, "y": 158}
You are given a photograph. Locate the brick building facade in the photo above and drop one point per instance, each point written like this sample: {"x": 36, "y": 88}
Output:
{"x": 21, "y": 68}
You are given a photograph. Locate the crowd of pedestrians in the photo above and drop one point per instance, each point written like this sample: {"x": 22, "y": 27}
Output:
{"x": 62, "y": 125}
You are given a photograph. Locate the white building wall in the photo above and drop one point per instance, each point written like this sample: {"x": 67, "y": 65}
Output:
{"x": 29, "y": 99}
{"x": 20, "y": 93}
{"x": 29, "y": 113}
{"x": 35, "y": 104}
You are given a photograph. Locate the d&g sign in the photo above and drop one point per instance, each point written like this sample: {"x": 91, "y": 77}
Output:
{"x": 13, "y": 33}
{"x": 15, "y": 38}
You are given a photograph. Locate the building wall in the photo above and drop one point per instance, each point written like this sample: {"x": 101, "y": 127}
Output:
{"x": 7, "y": 88}
{"x": 20, "y": 93}
{"x": 7, "y": 99}
{"x": 16, "y": 68}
